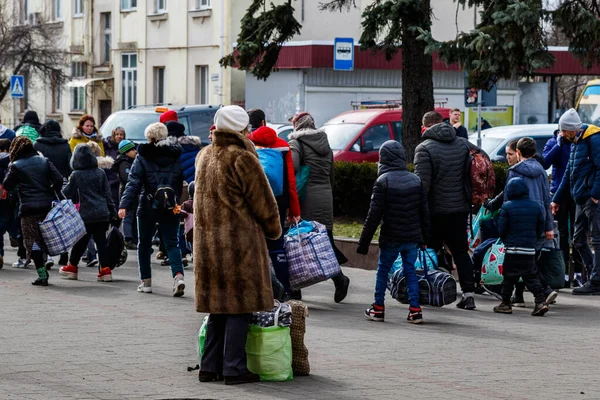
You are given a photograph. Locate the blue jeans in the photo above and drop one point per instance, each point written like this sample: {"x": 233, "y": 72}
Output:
{"x": 387, "y": 256}
{"x": 169, "y": 229}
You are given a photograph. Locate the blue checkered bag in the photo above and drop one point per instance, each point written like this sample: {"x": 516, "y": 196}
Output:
{"x": 309, "y": 254}
{"x": 62, "y": 228}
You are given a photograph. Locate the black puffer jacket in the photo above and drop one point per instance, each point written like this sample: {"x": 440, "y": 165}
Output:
{"x": 121, "y": 167}
{"x": 89, "y": 186}
{"x": 39, "y": 183}
{"x": 56, "y": 149}
{"x": 522, "y": 221}
{"x": 440, "y": 163}
{"x": 156, "y": 164}
{"x": 399, "y": 198}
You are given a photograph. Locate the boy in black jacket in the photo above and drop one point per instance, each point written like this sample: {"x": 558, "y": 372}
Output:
{"x": 521, "y": 223}
{"x": 400, "y": 200}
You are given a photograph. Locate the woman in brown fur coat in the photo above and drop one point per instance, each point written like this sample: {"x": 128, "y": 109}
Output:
{"x": 234, "y": 213}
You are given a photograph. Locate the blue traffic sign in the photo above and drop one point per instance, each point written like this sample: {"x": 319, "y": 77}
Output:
{"x": 343, "y": 54}
{"x": 17, "y": 86}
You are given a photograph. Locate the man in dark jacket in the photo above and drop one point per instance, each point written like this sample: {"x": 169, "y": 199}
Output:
{"x": 581, "y": 182}
{"x": 521, "y": 223}
{"x": 461, "y": 131}
{"x": 440, "y": 163}
{"x": 400, "y": 200}
{"x": 56, "y": 149}
{"x": 156, "y": 166}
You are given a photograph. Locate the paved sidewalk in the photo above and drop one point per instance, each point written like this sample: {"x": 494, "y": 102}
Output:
{"x": 89, "y": 340}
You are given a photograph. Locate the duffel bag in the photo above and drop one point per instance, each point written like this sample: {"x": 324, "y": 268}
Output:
{"x": 115, "y": 244}
{"x": 309, "y": 253}
{"x": 62, "y": 228}
{"x": 430, "y": 258}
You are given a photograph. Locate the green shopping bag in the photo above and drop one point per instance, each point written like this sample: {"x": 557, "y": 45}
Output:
{"x": 269, "y": 352}
{"x": 202, "y": 339}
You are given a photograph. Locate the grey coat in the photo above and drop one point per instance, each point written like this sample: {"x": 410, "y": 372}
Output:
{"x": 440, "y": 162}
{"x": 310, "y": 147}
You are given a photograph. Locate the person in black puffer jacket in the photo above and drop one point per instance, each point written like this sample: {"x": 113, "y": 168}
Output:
{"x": 522, "y": 222}
{"x": 400, "y": 200}
{"x": 54, "y": 147}
{"x": 440, "y": 162}
{"x": 156, "y": 165}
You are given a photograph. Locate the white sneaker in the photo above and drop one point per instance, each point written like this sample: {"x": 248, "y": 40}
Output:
{"x": 20, "y": 264}
{"x": 49, "y": 262}
{"x": 178, "y": 285}
{"x": 145, "y": 286}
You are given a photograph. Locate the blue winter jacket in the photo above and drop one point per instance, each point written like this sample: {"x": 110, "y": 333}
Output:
{"x": 535, "y": 177}
{"x": 191, "y": 147}
{"x": 556, "y": 155}
{"x": 581, "y": 180}
{"x": 522, "y": 221}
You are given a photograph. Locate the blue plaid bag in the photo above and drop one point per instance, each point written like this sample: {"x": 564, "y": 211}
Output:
{"x": 62, "y": 228}
{"x": 310, "y": 256}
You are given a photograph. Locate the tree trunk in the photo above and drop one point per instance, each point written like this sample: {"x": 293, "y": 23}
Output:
{"x": 417, "y": 82}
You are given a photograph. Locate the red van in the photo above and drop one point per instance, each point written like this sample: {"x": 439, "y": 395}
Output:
{"x": 356, "y": 136}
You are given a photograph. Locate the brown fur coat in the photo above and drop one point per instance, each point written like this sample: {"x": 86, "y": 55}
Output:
{"x": 234, "y": 213}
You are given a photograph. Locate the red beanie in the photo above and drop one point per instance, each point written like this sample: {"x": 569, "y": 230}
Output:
{"x": 168, "y": 116}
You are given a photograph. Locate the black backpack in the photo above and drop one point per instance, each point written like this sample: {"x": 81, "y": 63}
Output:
{"x": 164, "y": 199}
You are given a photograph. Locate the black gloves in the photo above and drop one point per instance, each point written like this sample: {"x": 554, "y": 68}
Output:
{"x": 362, "y": 249}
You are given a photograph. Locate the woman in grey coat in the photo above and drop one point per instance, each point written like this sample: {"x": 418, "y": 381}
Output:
{"x": 310, "y": 147}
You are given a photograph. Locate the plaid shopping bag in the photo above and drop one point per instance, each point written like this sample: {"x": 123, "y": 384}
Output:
{"x": 62, "y": 228}
{"x": 310, "y": 255}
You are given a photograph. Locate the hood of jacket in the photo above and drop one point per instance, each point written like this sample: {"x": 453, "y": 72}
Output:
{"x": 50, "y": 129}
{"x": 175, "y": 129}
{"x": 76, "y": 133}
{"x": 530, "y": 168}
{"x": 110, "y": 144}
{"x": 267, "y": 137}
{"x": 187, "y": 143}
{"x": 314, "y": 138}
{"x": 105, "y": 162}
{"x": 4, "y": 130}
{"x": 392, "y": 157}
{"x": 83, "y": 158}
{"x": 163, "y": 153}
{"x": 122, "y": 158}
{"x": 516, "y": 188}
{"x": 441, "y": 132}
{"x": 31, "y": 117}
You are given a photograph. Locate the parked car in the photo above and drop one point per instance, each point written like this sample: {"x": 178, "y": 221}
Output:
{"x": 357, "y": 135}
{"x": 283, "y": 129}
{"x": 197, "y": 120}
{"x": 494, "y": 140}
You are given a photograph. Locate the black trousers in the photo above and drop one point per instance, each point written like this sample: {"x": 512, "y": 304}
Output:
{"x": 225, "y": 344}
{"x": 97, "y": 230}
{"x": 520, "y": 286}
{"x": 521, "y": 266}
{"x": 451, "y": 229}
{"x": 565, "y": 217}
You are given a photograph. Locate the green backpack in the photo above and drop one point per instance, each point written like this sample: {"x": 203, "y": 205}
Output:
{"x": 29, "y": 132}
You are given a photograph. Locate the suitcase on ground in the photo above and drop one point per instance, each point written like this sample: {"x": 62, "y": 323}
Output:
{"x": 300, "y": 364}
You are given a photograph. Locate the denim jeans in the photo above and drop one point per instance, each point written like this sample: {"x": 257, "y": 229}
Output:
{"x": 387, "y": 256}
{"x": 587, "y": 222}
{"x": 169, "y": 229}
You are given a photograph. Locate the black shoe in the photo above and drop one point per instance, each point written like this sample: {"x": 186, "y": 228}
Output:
{"x": 209, "y": 376}
{"x": 341, "y": 289}
{"x": 466, "y": 303}
{"x": 165, "y": 262}
{"x": 40, "y": 282}
{"x": 375, "y": 313}
{"x": 92, "y": 264}
{"x": 503, "y": 308}
{"x": 588, "y": 289}
{"x": 518, "y": 301}
{"x": 248, "y": 377}
{"x": 130, "y": 245}
{"x": 296, "y": 294}
{"x": 85, "y": 259}
{"x": 540, "y": 309}
{"x": 415, "y": 316}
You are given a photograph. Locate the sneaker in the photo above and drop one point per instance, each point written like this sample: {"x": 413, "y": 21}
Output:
{"x": 49, "y": 262}
{"x": 375, "y": 313}
{"x": 160, "y": 255}
{"x": 540, "y": 309}
{"x": 145, "y": 286}
{"x": 92, "y": 264}
{"x": 20, "y": 263}
{"x": 178, "y": 285}
{"x": 85, "y": 258}
{"x": 341, "y": 290}
{"x": 248, "y": 377}
{"x": 518, "y": 301}
{"x": 69, "y": 272}
{"x": 130, "y": 245}
{"x": 415, "y": 315}
{"x": 105, "y": 275}
{"x": 588, "y": 289}
{"x": 184, "y": 261}
{"x": 40, "y": 282}
{"x": 503, "y": 308}
{"x": 165, "y": 263}
{"x": 551, "y": 297}
{"x": 466, "y": 303}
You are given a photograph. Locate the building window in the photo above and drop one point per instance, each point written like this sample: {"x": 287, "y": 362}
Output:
{"x": 78, "y": 8}
{"x": 202, "y": 4}
{"x": 161, "y": 6}
{"x": 78, "y": 98}
{"x": 78, "y": 69}
{"x": 128, "y": 5}
{"x": 56, "y": 10}
{"x": 202, "y": 84}
{"x": 128, "y": 80}
{"x": 56, "y": 97}
{"x": 159, "y": 85}
{"x": 106, "y": 46}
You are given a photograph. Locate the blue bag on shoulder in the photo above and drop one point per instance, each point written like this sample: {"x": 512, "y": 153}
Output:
{"x": 272, "y": 162}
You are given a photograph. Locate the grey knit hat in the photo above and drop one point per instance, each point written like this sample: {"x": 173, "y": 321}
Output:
{"x": 570, "y": 121}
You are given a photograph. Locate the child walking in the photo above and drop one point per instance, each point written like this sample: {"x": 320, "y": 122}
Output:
{"x": 400, "y": 200}
{"x": 522, "y": 221}
{"x": 122, "y": 166}
{"x": 89, "y": 185}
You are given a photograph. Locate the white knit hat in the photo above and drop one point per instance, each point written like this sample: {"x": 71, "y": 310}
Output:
{"x": 156, "y": 131}
{"x": 231, "y": 118}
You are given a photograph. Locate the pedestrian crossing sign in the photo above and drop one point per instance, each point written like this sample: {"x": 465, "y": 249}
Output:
{"x": 17, "y": 86}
